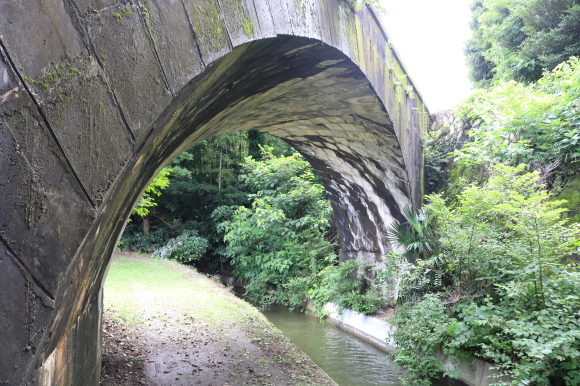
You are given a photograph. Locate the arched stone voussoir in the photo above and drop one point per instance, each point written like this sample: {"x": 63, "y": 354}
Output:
{"x": 101, "y": 94}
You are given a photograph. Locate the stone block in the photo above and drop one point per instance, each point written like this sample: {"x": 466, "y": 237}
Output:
{"x": 134, "y": 74}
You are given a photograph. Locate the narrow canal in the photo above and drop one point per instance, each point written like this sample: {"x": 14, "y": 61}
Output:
{"x": 346, "y": 359}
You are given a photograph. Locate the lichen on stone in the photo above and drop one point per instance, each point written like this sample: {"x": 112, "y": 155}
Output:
{"x": 237, "y": 17}
{"x": 208, "y": 24}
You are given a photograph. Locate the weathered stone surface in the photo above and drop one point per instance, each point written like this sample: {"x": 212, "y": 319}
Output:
{"x": 39, "y": 193}
{"x": 172, "y": 36}
{"x": 24, "y": 317}
{"x": 97, "y": 95}
{"x": 209, "y": 28}
{"x": 127, "y": 53}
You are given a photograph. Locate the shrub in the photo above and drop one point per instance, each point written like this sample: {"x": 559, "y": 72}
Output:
{"x": 503, "y": 287}
{"x": 186, "y": 248}
{"x": 283, "y": 235}
{"x": 136, "y": 241}
{"x": 421, "y": 329}
{"x": 338, "y": 284}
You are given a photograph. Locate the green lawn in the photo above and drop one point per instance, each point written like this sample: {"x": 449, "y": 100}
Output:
{"x": 138, "y": 287}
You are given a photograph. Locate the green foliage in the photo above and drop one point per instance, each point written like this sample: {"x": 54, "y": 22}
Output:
{"x": 282, "y": 235}
{"x": 518, "y": 39}
{"x": 505, "y": 230}
{"x": 436, "y": 162}
{"x": 536, "y": 124}
{"x": 506, "y": 274}
{"x": 134, "y": 239}
{"x": 255, "y": 140}
{"x": 185, "y": 248}
{"x": 160, "y": 182}
{"x": 203, "y": 178}
{"x": 415, "y": 236}
{"x": 339, "y": 284}
{"x": 280, "y": 245}
{"x": 539, "y": 346}
{"x": 421, "y": 329}
{"x": 571, "y": 195}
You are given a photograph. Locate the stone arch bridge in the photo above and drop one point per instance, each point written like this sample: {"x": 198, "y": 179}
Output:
{"x": 97, "y": 95}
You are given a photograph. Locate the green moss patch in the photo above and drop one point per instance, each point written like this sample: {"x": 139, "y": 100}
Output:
{"x": 572, "y": 195}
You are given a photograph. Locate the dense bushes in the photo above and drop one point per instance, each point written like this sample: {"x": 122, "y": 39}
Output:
{"x": 536, "y": 124}
{"x": 503, "y": 286}
{"x": 185, "y": 248}
{"x": 340, "y": 285}
{"x": 281, "y": 247}
{"x": 517, "y": 40}
{"x": 134, "y": 239}
{"x": 500, "y": 278}
{"x": 264, "y": 219}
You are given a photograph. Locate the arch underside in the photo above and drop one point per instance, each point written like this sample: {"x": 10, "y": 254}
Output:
{"x": 76, "y": 153}
{"x": 317, "y": 100}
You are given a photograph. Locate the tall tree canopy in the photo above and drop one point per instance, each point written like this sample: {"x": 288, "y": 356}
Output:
{"x": 519, "y": 39}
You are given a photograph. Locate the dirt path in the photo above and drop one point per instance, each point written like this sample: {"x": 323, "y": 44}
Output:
{"x": 165, "y": 324}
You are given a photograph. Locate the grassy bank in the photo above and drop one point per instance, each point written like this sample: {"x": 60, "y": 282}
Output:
{"x": 176, "y": 326}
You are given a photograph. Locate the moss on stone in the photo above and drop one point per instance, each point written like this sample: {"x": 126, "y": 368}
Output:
{"x": 351, "y": 35}
{"x": 148, "y": 24}
{"x": 249, "y": 28}
{"x": 59, "y": 73}
{"x": 572, "y": 195}
{"x": 237, "y": 16}
{"x": 208, "y": 24}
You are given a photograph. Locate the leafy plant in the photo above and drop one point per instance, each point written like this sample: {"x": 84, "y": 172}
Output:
{"x": 134, "y": 239}
{"x": 203, "y": 178}
{"x": 185, "y": 248}
{"x": 537, "y": 124}
{"x": 415, "y": 236}
{"x": 283, "y": 234}
{"x": 147, "y": 200}
{"x": 421, "y": 330}
{"x": 518, "y": 40}
{"x": 504, "y": 284}
{"x": 339, "y": 284}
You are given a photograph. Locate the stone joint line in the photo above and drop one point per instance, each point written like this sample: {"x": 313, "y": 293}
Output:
{"x": 49, "y": 127}
{"x": 91, "y": 47}
{"x": 25, "y": 270}
{"x": 150, "y": 36}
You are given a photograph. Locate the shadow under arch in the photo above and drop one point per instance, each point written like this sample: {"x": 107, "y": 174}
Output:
{"x": 301, "y": 90}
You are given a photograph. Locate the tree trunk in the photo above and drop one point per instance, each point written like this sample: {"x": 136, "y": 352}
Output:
{"x": 220, "y": 174}
{"x": 146, "y": 225}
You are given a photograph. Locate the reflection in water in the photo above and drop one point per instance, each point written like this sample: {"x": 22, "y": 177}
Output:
{"x": 347, "y": 360}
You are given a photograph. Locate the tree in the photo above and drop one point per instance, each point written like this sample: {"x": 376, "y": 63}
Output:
{"x": 518, "y": 40}
{"x": 255, "y": 140}
{"x": 537, "y": 124}
{"x": 282, "y": 234}
{"x": 504, "y": 286}
{"x": 203, "y": 178}
{"x": 160, "y": 182}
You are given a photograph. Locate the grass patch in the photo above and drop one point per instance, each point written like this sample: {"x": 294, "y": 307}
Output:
{"x": 138, "y": 288}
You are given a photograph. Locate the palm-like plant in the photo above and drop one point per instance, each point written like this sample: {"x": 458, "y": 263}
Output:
{"x": 416, "y": 235}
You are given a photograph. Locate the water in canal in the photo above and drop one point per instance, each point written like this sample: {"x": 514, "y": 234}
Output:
{"x": 346, "y": 359}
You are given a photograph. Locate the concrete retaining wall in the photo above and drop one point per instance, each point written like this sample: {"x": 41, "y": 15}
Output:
{"x": 378, "y": 333}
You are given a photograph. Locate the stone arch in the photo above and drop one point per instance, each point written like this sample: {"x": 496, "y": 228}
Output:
{"x": 108, "y": 97}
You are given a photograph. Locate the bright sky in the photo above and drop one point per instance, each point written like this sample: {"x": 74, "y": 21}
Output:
{"x": 430, "y": 35}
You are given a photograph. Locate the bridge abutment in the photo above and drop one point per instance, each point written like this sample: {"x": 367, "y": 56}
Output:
{"x": 96, "y": 96}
